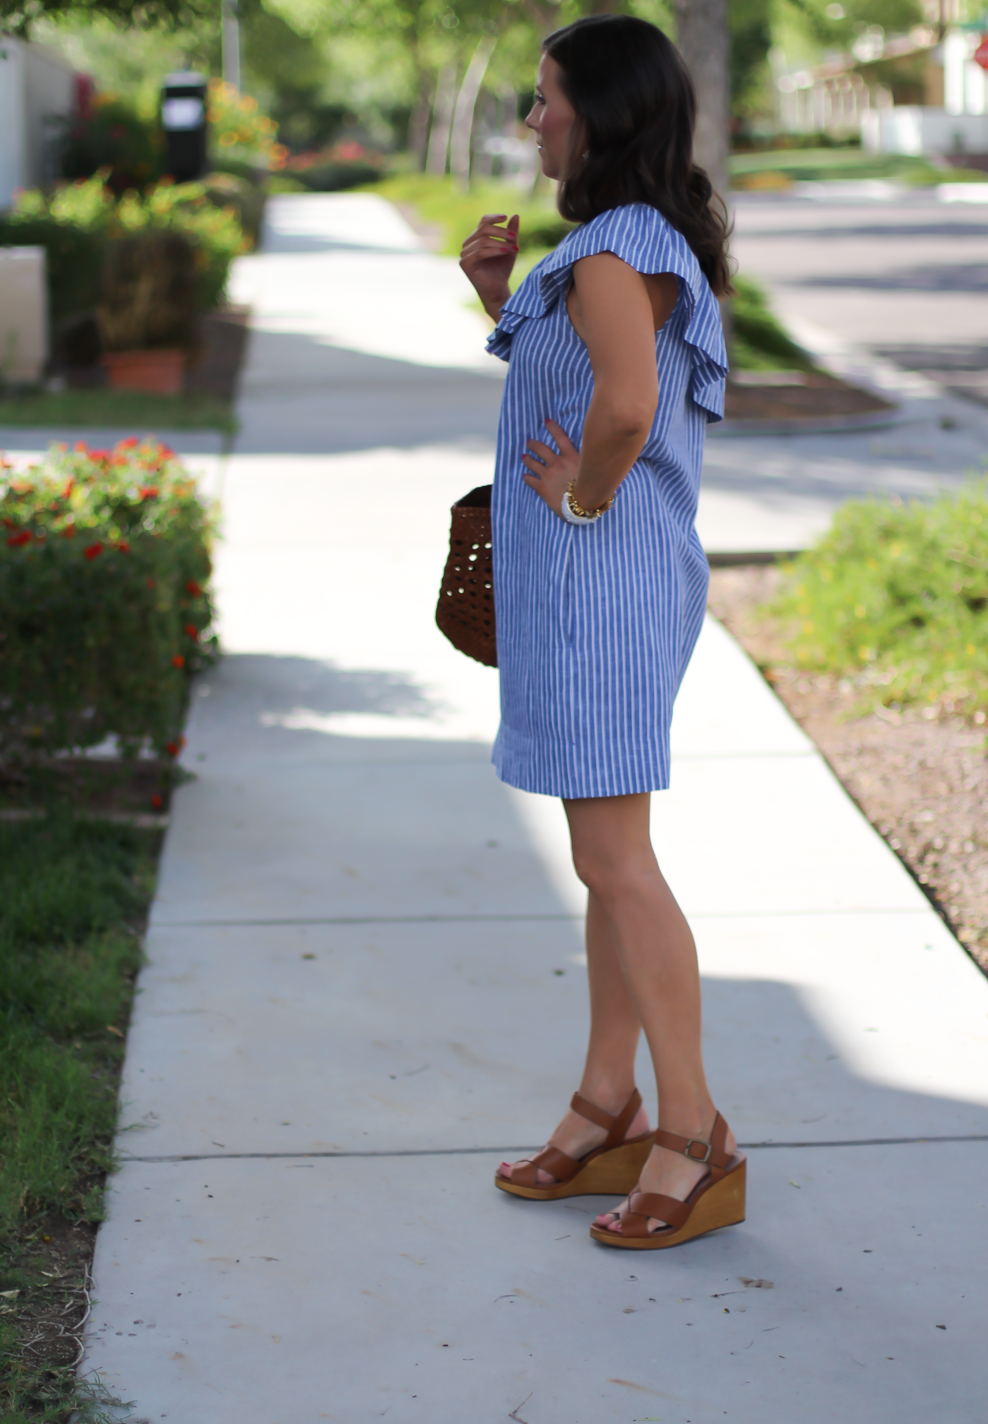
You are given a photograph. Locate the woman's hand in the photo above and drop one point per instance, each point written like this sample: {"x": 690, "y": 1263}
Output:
{"x": 488, "y": 256}
{"x": 552, "y": 473}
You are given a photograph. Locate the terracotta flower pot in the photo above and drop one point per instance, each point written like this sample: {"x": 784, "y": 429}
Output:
{"x": 158, "y": 372}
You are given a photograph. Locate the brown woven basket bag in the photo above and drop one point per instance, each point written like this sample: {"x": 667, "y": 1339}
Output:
{"x": 465, "y": 611}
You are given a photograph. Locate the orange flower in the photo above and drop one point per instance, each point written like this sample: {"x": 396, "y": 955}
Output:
{"x": 69, "y": 531}
{"x": 68, "y": 489}
{"x": 129, "y": 444}
{"x": 81, "y": 448}
{"x": 150, "y": 583}
{"x": 148, "y": 491}
{"x": 123, "y": 546}
{"x": 94, "y": 551}
{"x": 178, "y": 661}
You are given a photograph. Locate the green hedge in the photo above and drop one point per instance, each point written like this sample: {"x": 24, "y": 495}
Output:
{"x": 104, "y": 609}
{"x": 75, "y": 223}
{"x": 895, "y": 596}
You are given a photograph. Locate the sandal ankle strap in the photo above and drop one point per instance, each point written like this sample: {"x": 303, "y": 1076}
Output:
{"x": 615, "y": 1127}
{"x": 710, "y": 1153}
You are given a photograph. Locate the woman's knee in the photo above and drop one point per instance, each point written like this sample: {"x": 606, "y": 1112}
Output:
{"x": 613, "y": 880}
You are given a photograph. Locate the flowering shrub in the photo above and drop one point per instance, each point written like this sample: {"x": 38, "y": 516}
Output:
{"x": 110, "y": 135}
{"x": 238, "y": 129}
{"x": 104, "y": 608}
{"x": 75, "y": 222}
{"x": 345, "y": 165}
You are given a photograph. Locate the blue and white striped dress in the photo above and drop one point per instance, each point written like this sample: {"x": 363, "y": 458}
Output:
{"x": 596, "y": 623}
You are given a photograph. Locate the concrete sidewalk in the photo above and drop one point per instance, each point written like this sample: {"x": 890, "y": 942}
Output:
{"x": 365, "y": 984}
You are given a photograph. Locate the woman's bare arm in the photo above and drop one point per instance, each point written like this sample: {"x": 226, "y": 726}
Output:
{"x": 617, "y": 312}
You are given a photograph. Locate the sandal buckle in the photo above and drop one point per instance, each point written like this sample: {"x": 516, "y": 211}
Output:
{"x": 695, "y": 1142}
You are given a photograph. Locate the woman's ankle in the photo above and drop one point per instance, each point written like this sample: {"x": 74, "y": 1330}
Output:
{"x": 609, "y": 1093}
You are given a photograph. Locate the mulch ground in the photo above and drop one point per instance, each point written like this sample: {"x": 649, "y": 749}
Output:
{"x": 920, "y": 776}
{"x": 818, "y": 396}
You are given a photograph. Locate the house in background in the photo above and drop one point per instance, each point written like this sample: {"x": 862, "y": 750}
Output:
{"x": 39, "y": 92}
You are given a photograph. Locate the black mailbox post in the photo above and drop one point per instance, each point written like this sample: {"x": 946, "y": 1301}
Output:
{"x": 183, "y": 118}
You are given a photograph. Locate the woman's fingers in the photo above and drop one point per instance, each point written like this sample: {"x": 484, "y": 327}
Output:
{"x": 543, "y": 451}
{"x": 561, "y": 438}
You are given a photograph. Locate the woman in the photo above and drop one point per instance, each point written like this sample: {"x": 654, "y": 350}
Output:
{"x": 616, "y": 362}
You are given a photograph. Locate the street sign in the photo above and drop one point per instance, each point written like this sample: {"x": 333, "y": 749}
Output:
{"x": 981, "y": 53}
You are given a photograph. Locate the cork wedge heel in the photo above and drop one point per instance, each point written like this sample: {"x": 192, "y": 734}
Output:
{"x": 615, "y": 1166}
{"x": 717, "y": 1200}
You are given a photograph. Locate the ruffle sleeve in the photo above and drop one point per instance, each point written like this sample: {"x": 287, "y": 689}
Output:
{"x": 643, "y": 238}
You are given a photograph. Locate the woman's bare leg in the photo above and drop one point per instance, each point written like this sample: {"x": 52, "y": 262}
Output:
{"x": 653, "y": 949}
{"x": 609, "y": 1073}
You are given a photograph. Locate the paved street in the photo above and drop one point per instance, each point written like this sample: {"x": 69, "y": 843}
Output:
{"x": 365, "y": 981}
{"x": 905, "y": 277}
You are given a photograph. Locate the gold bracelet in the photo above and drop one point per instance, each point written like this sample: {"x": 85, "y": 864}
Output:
{"x": 578, "y": 509}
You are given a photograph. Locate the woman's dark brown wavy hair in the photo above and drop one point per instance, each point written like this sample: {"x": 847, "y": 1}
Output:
{"x": 636, "y": 104}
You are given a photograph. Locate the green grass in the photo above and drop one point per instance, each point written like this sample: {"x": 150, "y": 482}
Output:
{"x": 831, "y": 164}
{"x": 760, "y": 342}
{"x": 130, "y": 410}
{"x": 73, "y": 896}
{"x": 895, "y": 597}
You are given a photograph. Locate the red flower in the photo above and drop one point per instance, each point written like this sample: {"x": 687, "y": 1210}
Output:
{"x": 123, "y": 546}
{"x": 94, "y": 551}
{"x": 192, "y": 631}
{"x": 172, "y": 748}
{"x": 69, "y": 531}
{"x": 157, "y": 802}
{"x": 9, "y": 523}
{"x": 150, "y": 583}
{"x": 68, "y": 489}
{"x": 101, "y": 455}
{"x": 148, "y": 491}
{"x": 24, "y": 537}
{"x": 191, "y": 587}
{"x": 178, "y": 661}
{"x": 128, "y": 444}
{"x": 166, "y": 453}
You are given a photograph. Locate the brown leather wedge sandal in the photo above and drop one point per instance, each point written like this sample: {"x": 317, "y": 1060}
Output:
{"x": 615, "y": 1166}
{"x": 716, "y": 1200}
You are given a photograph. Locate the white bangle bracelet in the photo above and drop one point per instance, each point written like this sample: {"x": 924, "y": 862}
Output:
{"x": 572, "y": 518}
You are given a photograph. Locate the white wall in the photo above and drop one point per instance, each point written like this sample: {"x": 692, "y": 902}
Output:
{"x": 13, "y": 144}
{"x": 909, "y": 128}
{"x": 36, "y": 95}
{"x": 49, "y": 85}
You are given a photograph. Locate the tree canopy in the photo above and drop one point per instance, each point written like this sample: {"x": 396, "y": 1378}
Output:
{"x": 18, "y": 15}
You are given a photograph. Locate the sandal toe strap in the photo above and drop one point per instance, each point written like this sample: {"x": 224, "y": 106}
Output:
{"x": 642, "y": 1205}
{"x": 550, "y": 1160}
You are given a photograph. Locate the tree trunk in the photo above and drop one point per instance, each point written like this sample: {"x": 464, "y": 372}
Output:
{"x": 705, "y": 44}
{"x": 466, "y": 101}
{"x": 418, "y": 129}
{"x": 442, "y": 119}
